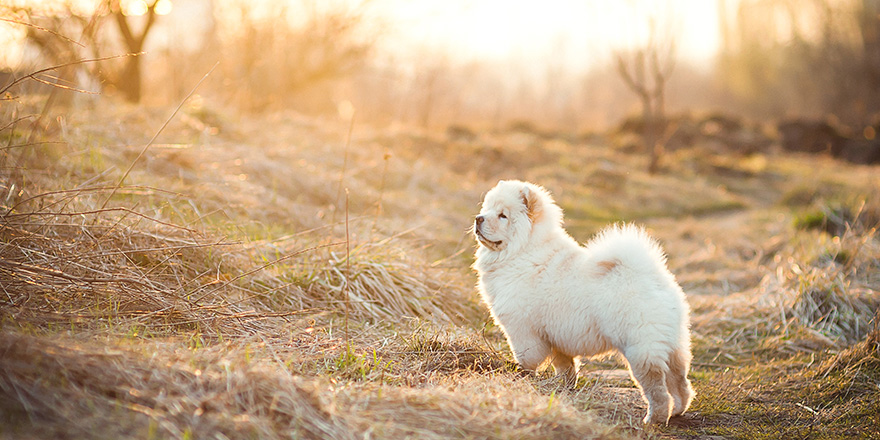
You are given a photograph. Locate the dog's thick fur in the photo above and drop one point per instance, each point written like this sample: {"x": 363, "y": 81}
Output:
{"x": 556, "y": 299}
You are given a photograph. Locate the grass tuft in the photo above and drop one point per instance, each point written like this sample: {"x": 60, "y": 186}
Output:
{"x": 830, "y": 307}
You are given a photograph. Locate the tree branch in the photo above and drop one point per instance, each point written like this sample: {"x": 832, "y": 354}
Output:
{"x": 33, "y": 75}
{"x": 636, "y": 85}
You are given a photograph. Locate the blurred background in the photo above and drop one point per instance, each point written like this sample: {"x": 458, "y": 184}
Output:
{"x": 562, "y": 66}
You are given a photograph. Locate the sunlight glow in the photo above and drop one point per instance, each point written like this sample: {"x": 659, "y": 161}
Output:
{"x": 576, "y": 31}
{"x": 164, "y": 7}
{"x": 10, "y": 35}
{"x": 134, "y": 8}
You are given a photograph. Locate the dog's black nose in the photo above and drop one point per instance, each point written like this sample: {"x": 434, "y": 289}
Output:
{"x": 480, "y": 220}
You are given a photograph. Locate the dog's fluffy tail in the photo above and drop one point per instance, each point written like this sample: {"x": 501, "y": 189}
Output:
{"x": 631, "y": 246}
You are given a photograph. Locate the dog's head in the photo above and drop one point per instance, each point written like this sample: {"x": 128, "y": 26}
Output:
{"x": 510, "y": 212}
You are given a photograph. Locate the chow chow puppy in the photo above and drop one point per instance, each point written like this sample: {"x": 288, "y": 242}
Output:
{"x": 556, "y": 299}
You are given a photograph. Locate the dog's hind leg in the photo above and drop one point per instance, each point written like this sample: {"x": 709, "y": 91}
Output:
{"x": 564, "y": 365}
{"x": 650, "y": 376}
{"x": 677, "y": 381}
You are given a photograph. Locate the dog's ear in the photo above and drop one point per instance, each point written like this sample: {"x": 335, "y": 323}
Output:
{"x": 532, "y": 200}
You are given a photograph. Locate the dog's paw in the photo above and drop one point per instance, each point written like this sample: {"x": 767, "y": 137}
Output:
{"x": 656, "y": 418}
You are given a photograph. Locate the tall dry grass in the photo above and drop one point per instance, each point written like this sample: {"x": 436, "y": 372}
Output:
{"x": 66, "y": 260}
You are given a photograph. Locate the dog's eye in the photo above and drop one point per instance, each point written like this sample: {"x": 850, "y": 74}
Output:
{"x": 502, "y": 215}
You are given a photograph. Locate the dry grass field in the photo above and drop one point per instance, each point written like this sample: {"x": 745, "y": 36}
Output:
{"x": 265, "y": 277}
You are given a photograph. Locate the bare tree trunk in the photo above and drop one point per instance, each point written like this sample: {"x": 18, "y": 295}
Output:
{"x": 129, "y": 81}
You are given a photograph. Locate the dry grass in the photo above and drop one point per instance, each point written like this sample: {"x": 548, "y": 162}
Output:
{"x": 155, "y": 389}
{"x": 208, "y": 297}
{"x": 66, "y": 260}
{"x": 52, "y": 389}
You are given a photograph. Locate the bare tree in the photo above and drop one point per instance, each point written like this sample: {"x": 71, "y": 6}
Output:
{"x": 646, "y": 71}
{"x": 129, "y": 80}
{"x": 67, "y": 33}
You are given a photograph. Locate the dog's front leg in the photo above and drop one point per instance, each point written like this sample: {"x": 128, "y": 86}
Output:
{"x": 529, "y": 350}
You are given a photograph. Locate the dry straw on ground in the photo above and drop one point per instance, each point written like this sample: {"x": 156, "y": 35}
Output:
{"x": 209, "y": 301}
{"x": 81, "y": 390}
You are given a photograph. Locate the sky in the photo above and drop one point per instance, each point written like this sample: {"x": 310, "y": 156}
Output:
{"x": 581, "y": 32}
{"x": 576, "y": 33}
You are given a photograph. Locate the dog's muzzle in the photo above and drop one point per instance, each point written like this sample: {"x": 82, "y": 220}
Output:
{"x": 478, "y": 231}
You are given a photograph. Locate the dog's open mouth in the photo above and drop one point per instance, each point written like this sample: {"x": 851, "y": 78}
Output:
{"x": 494, "y": 245}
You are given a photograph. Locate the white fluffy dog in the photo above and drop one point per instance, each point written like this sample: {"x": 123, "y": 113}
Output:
{"x": 556, "y": 299}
